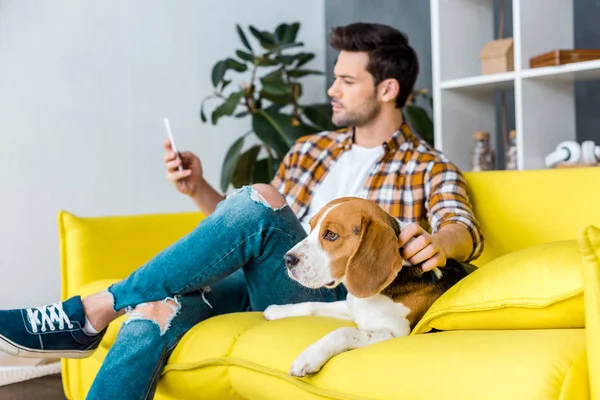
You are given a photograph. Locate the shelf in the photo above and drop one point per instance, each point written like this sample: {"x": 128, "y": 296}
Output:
{"x": 481, "y": 83}
{"x": 580, "y": 71}
{"x": 465, "y": 101}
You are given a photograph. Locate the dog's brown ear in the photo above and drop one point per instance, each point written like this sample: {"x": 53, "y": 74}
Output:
{"x": 376, "y": 260}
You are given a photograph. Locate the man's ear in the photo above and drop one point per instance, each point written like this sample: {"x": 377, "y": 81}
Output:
{"x": 389, "y": 89}
{"x": 376, "y": 260}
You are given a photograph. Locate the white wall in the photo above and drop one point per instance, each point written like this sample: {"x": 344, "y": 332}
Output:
{"x": 83, "y": 88}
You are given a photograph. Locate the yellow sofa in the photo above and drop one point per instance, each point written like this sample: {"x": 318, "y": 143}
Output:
{"x": 526, "y": 349}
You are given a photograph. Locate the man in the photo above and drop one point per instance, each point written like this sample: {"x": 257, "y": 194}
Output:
{"x": 237, "y": 251}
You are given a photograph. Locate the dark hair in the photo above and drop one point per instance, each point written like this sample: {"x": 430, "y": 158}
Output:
{"x": 390, "y": 56}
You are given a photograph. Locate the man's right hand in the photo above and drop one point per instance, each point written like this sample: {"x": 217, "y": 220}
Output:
{"x": 190, "y": 179}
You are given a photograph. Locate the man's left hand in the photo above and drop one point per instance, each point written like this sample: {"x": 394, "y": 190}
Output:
{"x": 419, "y": 246}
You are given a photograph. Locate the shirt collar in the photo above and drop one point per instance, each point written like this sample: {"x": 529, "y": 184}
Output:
{"x": 402, "y": 135}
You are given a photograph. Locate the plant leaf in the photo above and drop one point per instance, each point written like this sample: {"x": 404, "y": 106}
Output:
{"x": 320, "y": 115}
{"x": 218, "y": 72}
{"x": 266, "y": 62}
{"x": 282, "y": 47}
{"x": 418, "y": 118}
{"x": 231, "y": 160}
{"x": 291, "y": 32}
{"x": 274, "y": 129}
{"x": 241, "y": 114}
{"x": 242, "y": 174}
{"x": 298, "y": 73}
{"x": 243, "y": 38}
{"x": 300, "y": 58}
{"x": 236, "y": 65}
{"x": 275, "y": 166}
{"x": 280, "y": 100}
{"x": 263, "y": 171}
{"x": 274, "y": 84}
{"x": 303, "y": 58}
{"x": 265, "y": 38}
{"x": 286, "y": 59}
{"x": 227, "y": 107}
{"x": 245, "y": 56}
{"x": 276, "y": 88}
{"x": 280, "y": 33}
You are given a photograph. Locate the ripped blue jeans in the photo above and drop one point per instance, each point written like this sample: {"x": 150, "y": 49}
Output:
{"x": 231, "y": 262}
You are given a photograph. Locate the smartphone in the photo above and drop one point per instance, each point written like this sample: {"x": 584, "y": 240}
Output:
{"x": 172, "y": 140}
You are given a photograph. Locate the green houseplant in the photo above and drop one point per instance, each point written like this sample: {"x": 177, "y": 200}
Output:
{"x": 271, "y": 99}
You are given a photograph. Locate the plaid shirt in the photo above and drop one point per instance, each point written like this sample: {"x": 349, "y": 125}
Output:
{"x": 412, "y": 181}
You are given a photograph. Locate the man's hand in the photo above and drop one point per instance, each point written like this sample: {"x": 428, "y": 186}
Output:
{"x": 190, "y": 179}
{"x": 419, "y": 246}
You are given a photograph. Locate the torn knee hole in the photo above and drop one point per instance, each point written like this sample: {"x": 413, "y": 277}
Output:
{"x": 159, "y": 312}
{"x": 268, "y": 196}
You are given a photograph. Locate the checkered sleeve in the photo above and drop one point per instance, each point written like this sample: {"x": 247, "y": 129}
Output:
{"x": 447, "y": 202}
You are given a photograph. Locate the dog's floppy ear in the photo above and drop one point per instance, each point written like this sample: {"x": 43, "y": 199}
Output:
{"x": 376, "y": 260}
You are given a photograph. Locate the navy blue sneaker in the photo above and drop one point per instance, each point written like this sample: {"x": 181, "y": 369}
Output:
{"x": 53, "y": 331}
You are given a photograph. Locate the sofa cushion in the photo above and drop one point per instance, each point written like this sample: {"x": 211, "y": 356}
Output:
{"x": 537, "y": 287}
{"x": 496, "y": 364}
{"x": 243, "y": 356}
{"x": 590, "y": 248}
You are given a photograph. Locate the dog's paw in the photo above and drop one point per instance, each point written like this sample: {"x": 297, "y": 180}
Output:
{"x": 276, "y": 312}
{"x": 309, "y": 362}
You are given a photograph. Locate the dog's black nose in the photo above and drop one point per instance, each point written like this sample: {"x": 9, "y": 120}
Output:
{"x": 290, "y": 260}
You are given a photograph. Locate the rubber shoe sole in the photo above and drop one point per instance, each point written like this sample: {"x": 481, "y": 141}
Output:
{"x": 13, "y": 349}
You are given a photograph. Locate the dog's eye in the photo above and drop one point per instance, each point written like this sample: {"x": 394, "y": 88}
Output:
{"x": 330, "y": 236}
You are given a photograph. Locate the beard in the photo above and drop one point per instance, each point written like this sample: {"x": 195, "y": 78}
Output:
{"x": 364, "y": 114}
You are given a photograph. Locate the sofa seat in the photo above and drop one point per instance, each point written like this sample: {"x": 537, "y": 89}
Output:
{"x": 243, "y": 356}
{"x": 481, "y": 354}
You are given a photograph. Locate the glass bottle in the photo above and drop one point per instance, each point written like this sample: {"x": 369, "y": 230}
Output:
{"x": 482, "y": 156}
{"x": 511, "y": 152}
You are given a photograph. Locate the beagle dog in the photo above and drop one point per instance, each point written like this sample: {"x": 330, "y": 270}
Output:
{"x": 354, "y": 242}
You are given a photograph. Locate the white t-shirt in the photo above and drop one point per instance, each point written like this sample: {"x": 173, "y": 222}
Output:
{"x": 345, "y": 178}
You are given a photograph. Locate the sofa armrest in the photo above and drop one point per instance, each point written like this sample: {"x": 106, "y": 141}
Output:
{"x": 590, "y": 247}
{"x": 112, "y": 247}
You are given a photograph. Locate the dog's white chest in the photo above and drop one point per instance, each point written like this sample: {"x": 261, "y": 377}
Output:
{"x": 379, "y": 313}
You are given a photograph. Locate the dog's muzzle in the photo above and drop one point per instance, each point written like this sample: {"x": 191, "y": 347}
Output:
{"x": 291, "y": 260}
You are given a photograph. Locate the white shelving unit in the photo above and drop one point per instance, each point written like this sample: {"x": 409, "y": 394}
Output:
{"x": 464, "y": 100}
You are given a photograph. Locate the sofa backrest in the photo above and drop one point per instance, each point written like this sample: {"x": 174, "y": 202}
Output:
{"x": 517, "y": 209}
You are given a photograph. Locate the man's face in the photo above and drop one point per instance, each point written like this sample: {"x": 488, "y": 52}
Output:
{"x": 353, "y": 94}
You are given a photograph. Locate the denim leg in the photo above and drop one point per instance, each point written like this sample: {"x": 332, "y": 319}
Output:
{"x": 244, "y": 237}
{"x": 132, "y": 368}
{"x": 244, "y": 231}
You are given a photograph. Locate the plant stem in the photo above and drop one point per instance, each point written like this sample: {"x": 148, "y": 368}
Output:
{"x": 294, "y": 89}
{"x": 268, "y": 149}
{"x": 250, "y": 101}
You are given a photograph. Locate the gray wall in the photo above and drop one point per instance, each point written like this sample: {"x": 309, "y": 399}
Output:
{"x": 587, "y": 94}
{"x": 84, "y": 86}
{"x": 412, "y": 17}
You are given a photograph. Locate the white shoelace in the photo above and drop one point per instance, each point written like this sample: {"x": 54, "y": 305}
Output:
{"x": 50, "y": 315}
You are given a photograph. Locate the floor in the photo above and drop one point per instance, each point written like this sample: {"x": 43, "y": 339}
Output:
{"x": 46, "y": 388}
